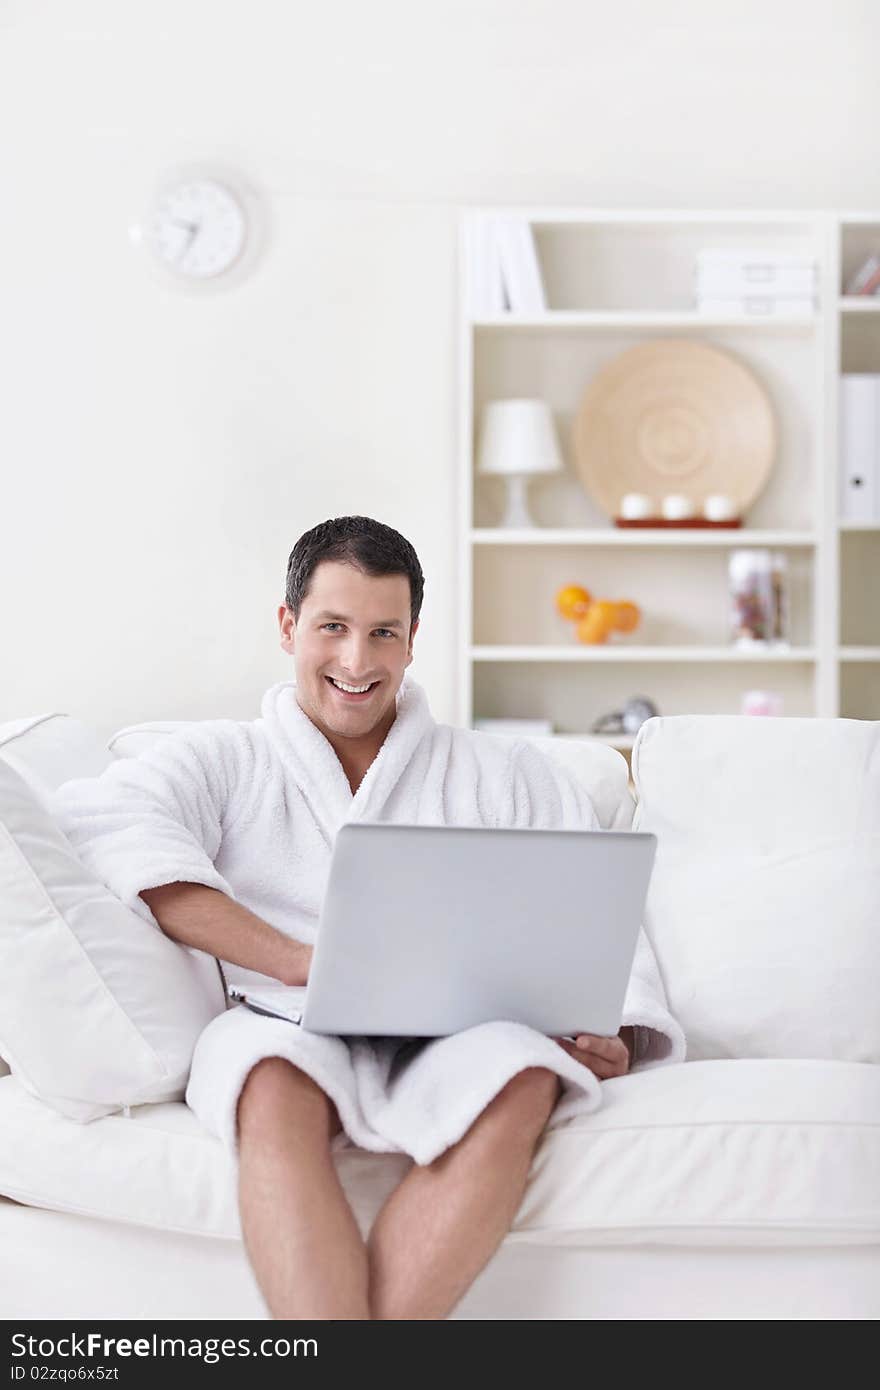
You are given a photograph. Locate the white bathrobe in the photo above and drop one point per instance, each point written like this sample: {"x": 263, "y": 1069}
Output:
{"x": 253, "y": 808}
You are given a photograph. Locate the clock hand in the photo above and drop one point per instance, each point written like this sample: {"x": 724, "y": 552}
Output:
{"x": 193, "y": 233}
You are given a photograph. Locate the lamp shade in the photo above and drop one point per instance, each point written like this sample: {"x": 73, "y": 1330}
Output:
{"x": 518, "y": 437}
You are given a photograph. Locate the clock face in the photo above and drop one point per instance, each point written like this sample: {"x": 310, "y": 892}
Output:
{"x": 198, "y": 229}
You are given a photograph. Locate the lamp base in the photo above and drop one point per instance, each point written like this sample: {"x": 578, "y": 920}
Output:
{"x": 516, "y": 512}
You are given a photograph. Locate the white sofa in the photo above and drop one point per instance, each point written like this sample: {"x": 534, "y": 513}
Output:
{"x": 742, "y": 1183}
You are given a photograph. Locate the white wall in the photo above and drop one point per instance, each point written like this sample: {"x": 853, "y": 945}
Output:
{"x": 161, "y": 452}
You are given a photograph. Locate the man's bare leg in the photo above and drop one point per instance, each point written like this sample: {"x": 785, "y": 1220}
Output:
{"x": 301, "y": 1236}
{"x": 443, "y": 1223}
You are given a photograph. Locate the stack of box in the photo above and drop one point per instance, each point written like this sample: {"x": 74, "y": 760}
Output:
{"x": 860, "y": 448}
{"x": 754, "y": 283}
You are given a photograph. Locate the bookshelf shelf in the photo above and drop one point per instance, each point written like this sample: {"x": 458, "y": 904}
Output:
{"x": 610, "y": 536}
{"x": 614, "y": 651}
{"x": 859, "y": 304}
{"x": 859, "y": 653}
{"x": 559, "y": 320}
{"x": 613, "y": 278}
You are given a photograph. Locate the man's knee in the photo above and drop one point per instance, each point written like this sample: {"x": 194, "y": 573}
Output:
{"x": 527, "y": 1100}
{"x": 273, "y": 1087}
{"x": 534, "y": 1087}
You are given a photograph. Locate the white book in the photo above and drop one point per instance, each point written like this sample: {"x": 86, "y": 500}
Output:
{"x": 860, "y": 447}
{"x": 484, "y": 284}
{"x": 519, "y": 266}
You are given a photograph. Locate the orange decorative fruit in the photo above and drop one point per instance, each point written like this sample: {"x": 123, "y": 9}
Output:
{"x": 572, "y": 601}
{"x": 597, "y": 622}
{"x": 627, "y": 617}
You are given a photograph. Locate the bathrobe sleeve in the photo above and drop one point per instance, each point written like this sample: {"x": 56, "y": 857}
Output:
{"x": 153, "y": 819}
{"x": 547, "y": 796}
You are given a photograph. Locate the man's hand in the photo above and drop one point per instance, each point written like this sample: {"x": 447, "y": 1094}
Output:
{"x": 605, "y": 1057}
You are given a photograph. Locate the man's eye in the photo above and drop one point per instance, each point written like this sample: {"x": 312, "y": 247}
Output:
{"x": 386, "y": 630}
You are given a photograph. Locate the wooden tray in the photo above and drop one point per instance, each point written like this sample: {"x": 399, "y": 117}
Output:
{"x": 674, "y": 416}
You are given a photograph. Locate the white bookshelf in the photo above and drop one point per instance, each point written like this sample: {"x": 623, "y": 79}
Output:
{"x": 615, "y": 278}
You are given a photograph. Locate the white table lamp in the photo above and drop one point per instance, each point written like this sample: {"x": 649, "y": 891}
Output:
{"x": 517, "y": 441}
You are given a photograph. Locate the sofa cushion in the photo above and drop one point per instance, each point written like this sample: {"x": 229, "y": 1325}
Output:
{"x": 764, "y": 903}
{"x": 98, "y": 1009}
{"x": 726, "y": 1152}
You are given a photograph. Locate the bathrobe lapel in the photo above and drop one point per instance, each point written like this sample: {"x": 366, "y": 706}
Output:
{"x": 317, "y": 771}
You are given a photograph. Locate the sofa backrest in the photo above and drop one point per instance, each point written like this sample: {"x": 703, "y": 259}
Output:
{"x": 764, "y": 903}
{"x": 48, "y": 749}
{"x": 600, "y": 768}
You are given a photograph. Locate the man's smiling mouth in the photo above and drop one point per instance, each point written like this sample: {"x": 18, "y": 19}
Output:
{"x": 351, "y": 693}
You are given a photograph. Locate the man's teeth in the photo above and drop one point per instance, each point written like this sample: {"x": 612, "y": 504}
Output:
{"x": 351, "y": 689}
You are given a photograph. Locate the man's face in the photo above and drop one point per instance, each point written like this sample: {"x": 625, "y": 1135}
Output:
{"x": 352, "y": 628}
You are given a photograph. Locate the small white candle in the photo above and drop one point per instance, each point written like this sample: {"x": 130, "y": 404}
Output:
{"x": 636, "y": 506}
{"x": 677, "y": 507}
{"x": 718, "y": 507}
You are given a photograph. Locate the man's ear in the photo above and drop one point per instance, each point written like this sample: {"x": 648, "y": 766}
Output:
{"x": 287, "y": 625}
{"x": 413, "y": 630}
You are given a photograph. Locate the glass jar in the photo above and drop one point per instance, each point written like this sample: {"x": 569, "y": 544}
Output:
{"x": 752, "y": 605}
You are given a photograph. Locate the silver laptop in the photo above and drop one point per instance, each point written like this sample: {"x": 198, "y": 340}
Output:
{"x": 427, "y": 930}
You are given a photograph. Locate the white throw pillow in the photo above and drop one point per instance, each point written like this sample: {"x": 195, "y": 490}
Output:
{"x": 98, "y": 1009}
{"x": 764, "y": 903}
{"x": 48, "y": 749}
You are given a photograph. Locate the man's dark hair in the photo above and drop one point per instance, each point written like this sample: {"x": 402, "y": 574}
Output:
{"x": 359, "y": 541}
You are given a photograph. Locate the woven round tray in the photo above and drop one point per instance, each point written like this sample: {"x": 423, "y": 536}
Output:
{"x": 674, "y": 416}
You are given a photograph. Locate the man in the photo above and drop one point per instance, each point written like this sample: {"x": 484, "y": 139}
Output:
{"x": 222, "y": 836}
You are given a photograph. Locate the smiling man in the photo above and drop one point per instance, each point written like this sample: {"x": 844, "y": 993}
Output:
{"x": 221, "y": 834}
{"x": 351, "y": 635}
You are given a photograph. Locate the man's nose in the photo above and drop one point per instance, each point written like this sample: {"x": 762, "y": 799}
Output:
{"x": 357, "y": 654}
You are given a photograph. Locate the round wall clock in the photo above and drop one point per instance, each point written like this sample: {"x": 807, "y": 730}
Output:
{"x": 202, "y": 228}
